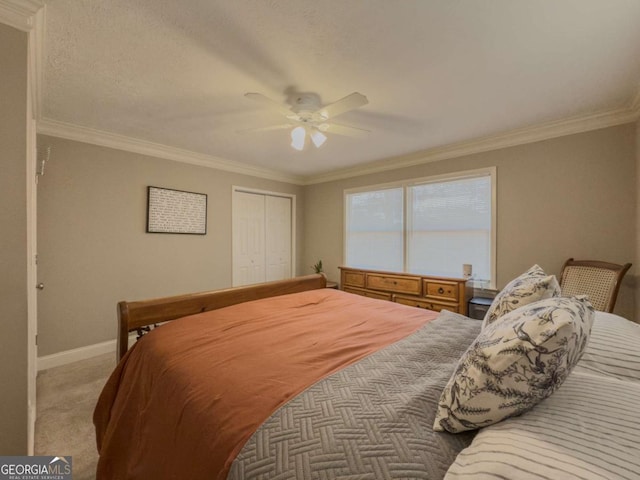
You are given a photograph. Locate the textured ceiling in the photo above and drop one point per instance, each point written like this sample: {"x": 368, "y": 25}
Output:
{"x": 435, "y": 72}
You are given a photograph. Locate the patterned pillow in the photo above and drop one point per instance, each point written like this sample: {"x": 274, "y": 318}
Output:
{"x": 515, "y": 363}
{"x": 531, "y": 286}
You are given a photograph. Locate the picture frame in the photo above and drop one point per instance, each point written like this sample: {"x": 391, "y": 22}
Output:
{"x": 176, "y": 211}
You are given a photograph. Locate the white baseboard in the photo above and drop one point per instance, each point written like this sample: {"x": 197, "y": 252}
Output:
{"x": 77, "y": 354}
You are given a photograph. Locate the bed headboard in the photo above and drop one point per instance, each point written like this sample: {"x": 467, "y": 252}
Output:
{"x": 135, "y": 315}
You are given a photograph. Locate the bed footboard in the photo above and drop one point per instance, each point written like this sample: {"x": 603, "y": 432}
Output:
{"x": 133, "y": 316}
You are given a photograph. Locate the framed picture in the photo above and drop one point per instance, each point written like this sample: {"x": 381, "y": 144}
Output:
{"x": 176, "y": 211}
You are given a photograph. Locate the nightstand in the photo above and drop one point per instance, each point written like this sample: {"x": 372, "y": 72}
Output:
{"x": 478, "y": 307}
{"x": 332, "y": 285}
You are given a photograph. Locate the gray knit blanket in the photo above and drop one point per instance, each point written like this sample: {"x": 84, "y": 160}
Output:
{"x": 371, "y": 420}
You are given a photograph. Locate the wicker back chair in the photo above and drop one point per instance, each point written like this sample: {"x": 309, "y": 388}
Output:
{"x": 599, "y": 280}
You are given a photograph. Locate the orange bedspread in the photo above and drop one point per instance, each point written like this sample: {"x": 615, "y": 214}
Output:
{"x": 185, "y": 398}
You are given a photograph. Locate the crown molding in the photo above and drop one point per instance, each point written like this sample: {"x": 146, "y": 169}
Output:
{"x": 70, "y": 131}
{"x": 521, "y": 136}
{"x": 19, "y": 13}
{"x": 511, "y": 138}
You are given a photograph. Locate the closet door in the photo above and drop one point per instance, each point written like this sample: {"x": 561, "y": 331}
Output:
{"x": 248, "y": 238}
{"x": 278, "y": 237}
{"x": 262, "y": 237}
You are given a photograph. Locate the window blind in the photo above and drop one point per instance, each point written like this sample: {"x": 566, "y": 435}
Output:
{"x": 375, "y": 224}
{"x": 450, "y": 225}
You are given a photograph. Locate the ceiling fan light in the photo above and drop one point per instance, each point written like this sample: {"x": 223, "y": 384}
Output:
{"x": 318, "y": 138}
{"x": 297, "y": 138}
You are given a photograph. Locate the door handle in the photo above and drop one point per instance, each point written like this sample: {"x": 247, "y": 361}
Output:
{"x": 40, "y": 286}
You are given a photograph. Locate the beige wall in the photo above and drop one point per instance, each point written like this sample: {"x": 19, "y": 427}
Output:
{"x": 13, "y": 238}
{"x": 93, "y": 249}
{"x": 567, "y": 197}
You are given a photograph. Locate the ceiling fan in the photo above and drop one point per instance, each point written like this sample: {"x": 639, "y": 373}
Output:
{"x": 308, "y": 118}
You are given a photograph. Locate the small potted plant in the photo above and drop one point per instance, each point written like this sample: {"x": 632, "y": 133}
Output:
{"x": 317, "y": 267}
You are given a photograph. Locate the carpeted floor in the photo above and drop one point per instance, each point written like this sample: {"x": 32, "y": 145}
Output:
{"x": 66, "y": 398}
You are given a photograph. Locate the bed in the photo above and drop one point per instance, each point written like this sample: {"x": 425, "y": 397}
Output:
{"x": 293, "y": 380}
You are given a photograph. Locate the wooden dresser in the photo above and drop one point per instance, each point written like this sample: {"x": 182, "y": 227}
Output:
{"x": 432, "y": 293}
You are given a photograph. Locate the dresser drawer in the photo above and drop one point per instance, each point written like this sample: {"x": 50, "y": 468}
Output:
{"x": 437, "y": 306}
{"x": 441, "y": 289}
{"x": 357, "y": 291}
{"x": 368, "y": 293}
{"x": 378, "y": 295}
{"x": 428, "y": 304}
{"x": 394, "y": 283}
{"x": 412, "y": 302}
{"x": 353, "y": 279}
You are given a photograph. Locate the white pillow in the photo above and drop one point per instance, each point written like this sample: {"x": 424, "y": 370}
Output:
{"x": 515, "y": 363}
{"x": 589, "y": 429}
{"x": 613, "y": 348}
{"x": 531, "y": 286}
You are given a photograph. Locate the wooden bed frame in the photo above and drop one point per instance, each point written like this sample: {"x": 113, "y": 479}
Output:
{"x": 135, "y": 316}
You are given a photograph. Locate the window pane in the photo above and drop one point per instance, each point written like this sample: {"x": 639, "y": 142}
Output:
{"x": 449, "y": 225}
{"x": 375, "y": 230}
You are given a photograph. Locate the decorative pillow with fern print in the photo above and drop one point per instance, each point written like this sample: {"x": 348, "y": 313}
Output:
{"x": 531, "y": 286}
{"x": 515, "y": 363}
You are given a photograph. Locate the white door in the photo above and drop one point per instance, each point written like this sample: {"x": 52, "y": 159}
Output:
{"x": 37, "y": 20}
{"x": 278, "y": 237}
{"x": 32, "y": 279}
{"x": 248, "y": 238}
{"x": 262, "y": 237}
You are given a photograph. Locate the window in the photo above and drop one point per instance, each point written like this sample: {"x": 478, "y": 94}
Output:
{"x": 430, "y": 226}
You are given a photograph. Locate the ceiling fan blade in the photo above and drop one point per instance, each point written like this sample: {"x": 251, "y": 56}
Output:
{"x": 266, "y": 129}
{"x": 343, "y": 105}
{"x": 317, "y": 137}
{"x": 267, "y": 102}
{"x": 343, "y": 130}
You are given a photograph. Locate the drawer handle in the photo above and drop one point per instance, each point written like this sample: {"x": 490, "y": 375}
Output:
{"x": 441, "y": 290}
